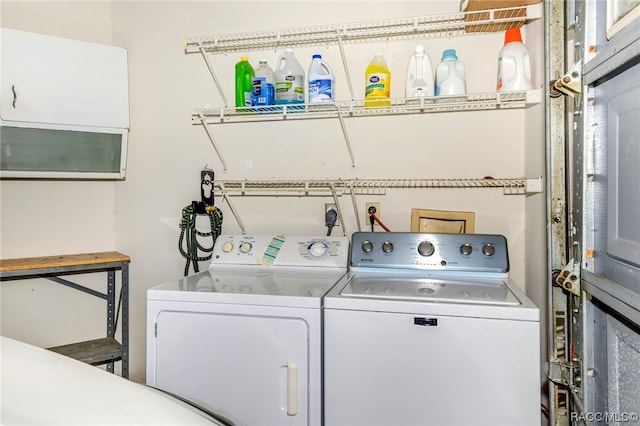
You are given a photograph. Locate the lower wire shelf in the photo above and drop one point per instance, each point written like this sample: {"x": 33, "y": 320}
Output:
{"x": 354, "y": 187}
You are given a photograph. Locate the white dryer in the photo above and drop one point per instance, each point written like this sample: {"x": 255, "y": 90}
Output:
{"x": 428, "y": 329}
{"x": 244, "y": 338}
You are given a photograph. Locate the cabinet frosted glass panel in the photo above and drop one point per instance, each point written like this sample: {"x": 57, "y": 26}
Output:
{"x": 33, "y": 152}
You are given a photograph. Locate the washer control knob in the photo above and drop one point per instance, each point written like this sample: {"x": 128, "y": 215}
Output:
{"x": 488, "y": 250}
{"x": 387, "y": 247}
{"x": 466, "y": 249}
{"x": 245, "y": 247}
{"x": 367, "y": 246}
{"x": 227, "y": 246}
{"x": 317, "y": 249}
{"x": 426, "y": 248}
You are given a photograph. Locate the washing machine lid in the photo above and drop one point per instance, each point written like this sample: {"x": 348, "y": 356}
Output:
{"x": 253, "y": 286}
{"x": 489, "y": 297}
{"x": 455, "y": 290}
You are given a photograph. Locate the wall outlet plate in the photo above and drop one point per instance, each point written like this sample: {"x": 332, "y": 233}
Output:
{"x": 331, "y": 206}
{"x": 377, "y": 212}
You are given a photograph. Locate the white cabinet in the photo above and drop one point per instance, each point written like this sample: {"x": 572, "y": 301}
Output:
{"x": 54, "y": 80}
{"x": 64, "y": 107}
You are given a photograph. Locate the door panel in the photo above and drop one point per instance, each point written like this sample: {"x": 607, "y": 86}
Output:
{"x": 241, "y": 366}
{"x": 604, "y": 341}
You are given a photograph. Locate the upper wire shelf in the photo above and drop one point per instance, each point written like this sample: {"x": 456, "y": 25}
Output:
{"x": 356, "y": 108}
{"x": 436, "y": 26}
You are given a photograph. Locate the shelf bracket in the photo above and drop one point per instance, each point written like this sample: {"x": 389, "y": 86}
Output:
{"x": 347, "y": 141}
{"x": 335, "y": 201}
{"x": 345, "y": 66}
{"x": 226, "y": 198}
{"x": 355, "y": 208}
{"x": 213, "y": 74}
{"x": 203, "y": 121}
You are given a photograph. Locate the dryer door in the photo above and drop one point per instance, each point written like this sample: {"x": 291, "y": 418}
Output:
{"x": 249, "y": 368}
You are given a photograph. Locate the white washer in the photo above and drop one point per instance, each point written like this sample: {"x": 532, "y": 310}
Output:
{"x": 428, "y": 329}
{"x": 244, "y": 338}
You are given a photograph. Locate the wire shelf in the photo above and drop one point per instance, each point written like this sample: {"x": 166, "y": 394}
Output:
{"x": 367, "y": 186}
{"x": 351, "y": 188}
{"x": 436, "y": 26}
{"x": 400, "y": 106}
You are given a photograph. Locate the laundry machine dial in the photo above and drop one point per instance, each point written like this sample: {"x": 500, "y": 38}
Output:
{"x": 317, "y": 249}
{"x": 387, "y": 247}
{"x": 488, "y": 250}
{"x": 245, "y": 247}
{"x": 367, "y": 246}
{"x": 426, "y": 248}
{"x": 466, "y": 249}
{"x": 227, "y": 246}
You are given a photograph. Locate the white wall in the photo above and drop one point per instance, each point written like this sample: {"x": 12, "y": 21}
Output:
{"x": 166, "y": 152}
{"x": 48, "y": 217}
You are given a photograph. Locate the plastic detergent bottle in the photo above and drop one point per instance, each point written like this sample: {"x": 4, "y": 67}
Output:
{"x": 321, "y": 81}
{"x": 263, "y": 86}
{"x": 289, "y": 80}
{"x": 377, "y": 83}
{"x": 419, "y": 75}
{"x": 514, "y": 65}
{"x": 450, "y": 76}
{"x": 244, "y": 77}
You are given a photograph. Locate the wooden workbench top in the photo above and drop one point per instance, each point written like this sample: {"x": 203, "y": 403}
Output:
{"x": 27, "y": 263}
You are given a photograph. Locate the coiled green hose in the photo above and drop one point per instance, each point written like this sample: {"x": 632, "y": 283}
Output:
{"x": 189, "y": 236}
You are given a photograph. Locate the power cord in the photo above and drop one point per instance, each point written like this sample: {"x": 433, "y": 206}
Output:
{"x": 330, "y": 218}
{"x": 189, "y": 234}
{"x": 373, "y": 219}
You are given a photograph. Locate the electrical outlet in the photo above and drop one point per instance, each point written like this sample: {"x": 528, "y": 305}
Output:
{"x": 377, "y": 212}
{"x": 331, "y": 206}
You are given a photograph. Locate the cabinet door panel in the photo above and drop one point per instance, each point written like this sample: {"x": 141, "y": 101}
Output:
{"x": 47, "y": 79}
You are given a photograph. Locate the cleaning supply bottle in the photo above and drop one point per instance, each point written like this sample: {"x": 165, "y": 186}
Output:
{"x": 263, "y": 87}
{"x": 321, "y": 81}
{"x": 514, "y": 65}
{"x": 289, "y": 81}
{"x": 419, "y": 75}
{"x": 450, "y": 75}
{"x": 244, "y": 80}
{"x": 377, "y": 83}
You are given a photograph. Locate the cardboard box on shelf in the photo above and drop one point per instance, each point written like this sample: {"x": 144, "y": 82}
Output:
{"x": 478, "y": 10}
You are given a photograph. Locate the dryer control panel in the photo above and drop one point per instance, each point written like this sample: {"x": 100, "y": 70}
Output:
{"x": 281, "y": 250}
{"x": 430, "y": 251}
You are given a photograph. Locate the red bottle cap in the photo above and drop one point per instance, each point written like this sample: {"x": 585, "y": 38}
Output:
{"x": 512, "y": 35}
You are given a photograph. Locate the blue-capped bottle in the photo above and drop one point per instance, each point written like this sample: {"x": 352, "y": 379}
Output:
{"x": 321, "y": 82}
{"x": 450, "y": 75}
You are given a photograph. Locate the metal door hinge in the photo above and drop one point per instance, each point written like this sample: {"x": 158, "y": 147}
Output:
{"x": 569, "y": 277}
{"x": 569, "y": 84}
{"x": 565, "y": 373}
